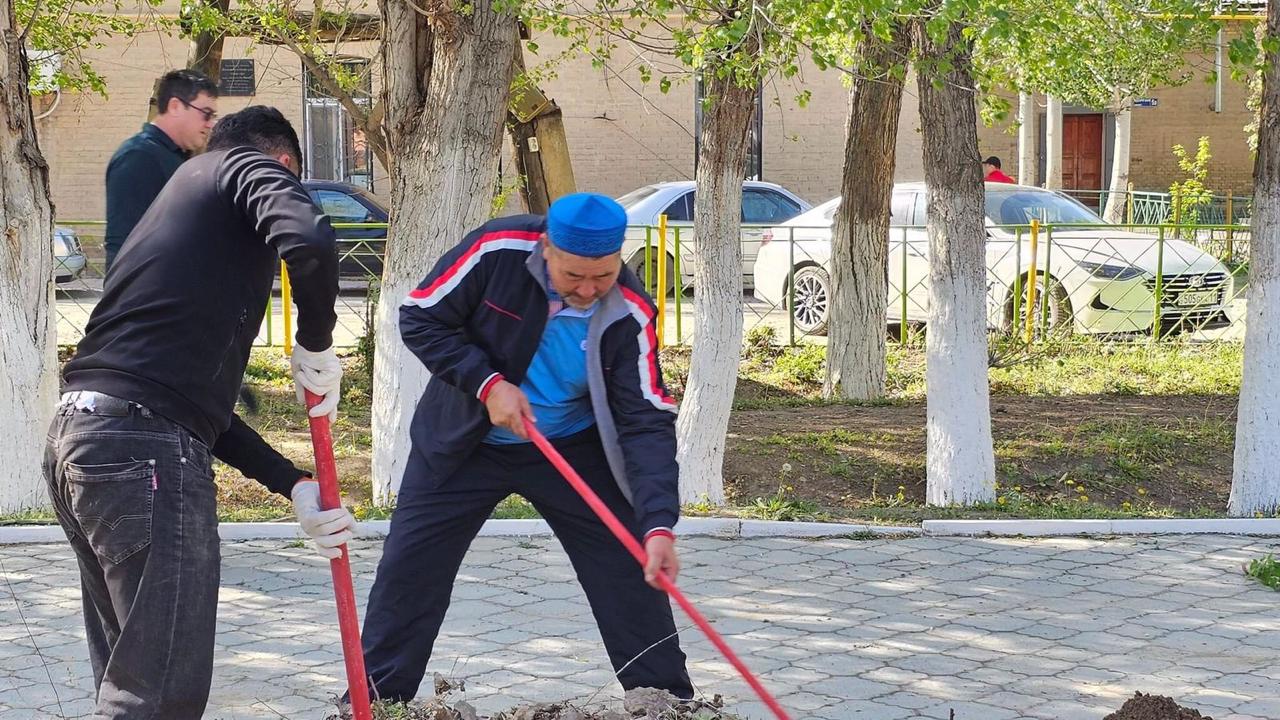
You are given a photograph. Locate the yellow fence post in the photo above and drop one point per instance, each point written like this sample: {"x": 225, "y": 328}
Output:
{"x": 1128, "y": 201}
{"x": 662, "y": 277}
{"x": 286, "y": 302}
{"x": 1031, "y": 280}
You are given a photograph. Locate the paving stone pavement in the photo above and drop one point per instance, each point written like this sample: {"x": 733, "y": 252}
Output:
{"x": 884, "y": 629}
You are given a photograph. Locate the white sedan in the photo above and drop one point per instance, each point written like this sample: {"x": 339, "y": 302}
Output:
{"x": 1098, "y": 278}
{"x": 763, "y": 205}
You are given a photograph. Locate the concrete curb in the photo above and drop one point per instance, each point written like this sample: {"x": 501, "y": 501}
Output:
{"x": 691, "y": 527}
{"x": 733, "y": 528}
{"x": 1051, "y": 528}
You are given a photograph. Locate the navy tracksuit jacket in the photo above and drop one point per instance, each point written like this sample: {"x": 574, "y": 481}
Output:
{"x": 476, "y": 319}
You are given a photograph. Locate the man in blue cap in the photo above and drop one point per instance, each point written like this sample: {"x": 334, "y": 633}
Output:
{"x": 537, "y": 318}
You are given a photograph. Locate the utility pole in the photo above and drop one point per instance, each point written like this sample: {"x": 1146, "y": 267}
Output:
{"x": 541, "y": 147}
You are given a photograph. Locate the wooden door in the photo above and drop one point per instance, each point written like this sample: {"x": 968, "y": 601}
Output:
{"x": 1082, "y": 154}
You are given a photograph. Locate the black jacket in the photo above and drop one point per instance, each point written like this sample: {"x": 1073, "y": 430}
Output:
{"x": 479, "y": 316}
{"x": 183, "y": 304}
{"x": 137, "y": 172}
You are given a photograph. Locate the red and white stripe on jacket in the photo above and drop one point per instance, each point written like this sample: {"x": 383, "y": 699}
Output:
{"x": 455, "y": 273}
{"x": 647, "y": 359}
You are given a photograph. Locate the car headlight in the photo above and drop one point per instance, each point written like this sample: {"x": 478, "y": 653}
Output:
{"x": 1112, "y": 272}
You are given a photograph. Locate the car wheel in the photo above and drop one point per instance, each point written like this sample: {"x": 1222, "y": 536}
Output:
{"x": 811, "y": 300}
{"x": 1054, "y": 317}
{"x": 637, "y": 266}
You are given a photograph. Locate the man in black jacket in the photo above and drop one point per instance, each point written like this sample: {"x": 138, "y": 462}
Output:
{"x": 534, "y": 318}
{"x": 148, "y": 402}
{"x": 187, "y": 104}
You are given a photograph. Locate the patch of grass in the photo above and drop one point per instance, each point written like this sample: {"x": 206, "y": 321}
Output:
{"x": 269, "y": 366}
{"x": 369, "y": 511}
{"x": 827, "y": 442}
{"x": 1087, "y": 367}
{"x": 904, "y": 372}
{"x": 803, "y": 366}
{"x": 1265, "y": 570}
{"x": 1119, "y": 465}
{"x": 35, "y": 516}
{"x": 702, "y": 508}
{"x": 914, "y": 513}
{"x": 247, "y": 513}
{"x": 775, "y": 376}
{"x": 782, "y": 506}
{"x": 1116, "y": 460}
{"x": 515, "y": 507}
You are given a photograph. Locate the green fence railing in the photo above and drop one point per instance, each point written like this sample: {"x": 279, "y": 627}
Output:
{"x": 1118, "y": 283}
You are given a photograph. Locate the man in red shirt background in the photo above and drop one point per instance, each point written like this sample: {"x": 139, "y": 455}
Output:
{"x": 991, "y": 171}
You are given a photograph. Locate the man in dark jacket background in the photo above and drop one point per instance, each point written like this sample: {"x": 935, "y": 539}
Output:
{"x": 148, "y": 402}
{"x": 534, "y": 318}
{"x": 187, "y": 102}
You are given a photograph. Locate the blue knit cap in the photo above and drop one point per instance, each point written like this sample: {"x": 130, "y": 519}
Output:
{"x": 587, "y": 224}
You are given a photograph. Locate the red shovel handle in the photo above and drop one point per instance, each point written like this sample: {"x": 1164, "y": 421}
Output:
{"x": 348, "y": 623}
{"x": 633, "y": 546}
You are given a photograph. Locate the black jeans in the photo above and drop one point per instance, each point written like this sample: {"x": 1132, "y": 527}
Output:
{"x": 134, "y": 493}
{"x": 434, "y": 524}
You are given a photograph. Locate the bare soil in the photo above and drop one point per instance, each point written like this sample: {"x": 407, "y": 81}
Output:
{"x": 1154, "y": 707}
{"x": 1153, "y": 452}
{"x": 640, "y": 703}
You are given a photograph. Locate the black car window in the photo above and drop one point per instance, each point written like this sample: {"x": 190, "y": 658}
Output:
{"x": 341, "y": 207}
{"x": 681, "y": 210}
{"x": 900, "y": 209}
{"x": 765, "y": 207}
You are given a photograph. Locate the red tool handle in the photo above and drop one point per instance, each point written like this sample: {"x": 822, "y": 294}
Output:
{"x": 633, "y": 546}
{"x": 348, "y": 623}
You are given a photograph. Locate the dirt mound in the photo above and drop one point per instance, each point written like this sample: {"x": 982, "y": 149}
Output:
{"x": 641, "y": 703}
{"x": 1154, "y": 707}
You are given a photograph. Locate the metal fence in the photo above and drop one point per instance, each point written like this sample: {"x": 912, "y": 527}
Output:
{"x": 80, "y": 267}
{"x": 1115, "y": 283}
{"x": 1119, "y": 283}
{"x": 1143, "y": 207}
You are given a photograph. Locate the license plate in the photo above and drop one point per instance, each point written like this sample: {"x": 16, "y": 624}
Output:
{"x": 1195, "y": 298}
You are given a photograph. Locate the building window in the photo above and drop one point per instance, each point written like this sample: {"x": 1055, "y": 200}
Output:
{"x": 755, "y": 135}
{"x": 335, "y": 148}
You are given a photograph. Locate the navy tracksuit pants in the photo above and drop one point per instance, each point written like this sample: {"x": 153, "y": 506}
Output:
{"x": 434, "y": 523}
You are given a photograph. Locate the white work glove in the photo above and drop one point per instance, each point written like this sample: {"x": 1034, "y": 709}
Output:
{"x": 330, "y": 529}
{"x": 321, "y": 373}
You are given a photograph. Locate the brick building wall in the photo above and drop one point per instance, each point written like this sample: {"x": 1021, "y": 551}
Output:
{"x": 84, "y": 130}
{"x": 1184, "y": 113}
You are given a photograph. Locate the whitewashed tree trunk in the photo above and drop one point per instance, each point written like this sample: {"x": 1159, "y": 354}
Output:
{"x": 448, "y": 78}
{"x": 1028, "y": 137}
{"x": 860, "y": 238}
{"x": 1053, "y": 144}
{"x": 27, "y": 335}
{"x": 1255, "y": 480}
{"x": 1114, "y": 212}
{"x": 717, "y": 307}
{"x": 960, "y": 464}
